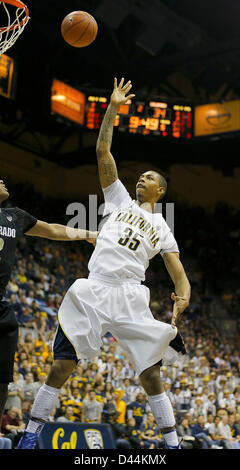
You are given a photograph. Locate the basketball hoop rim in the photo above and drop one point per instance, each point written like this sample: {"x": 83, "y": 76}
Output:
{"x": 17, "y": 4}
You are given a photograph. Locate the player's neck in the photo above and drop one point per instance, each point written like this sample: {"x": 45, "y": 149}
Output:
{"x": 2, "y": 199}
{"x": 146, "y": 205}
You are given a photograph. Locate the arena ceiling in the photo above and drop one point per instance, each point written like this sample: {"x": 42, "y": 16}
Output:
{"x": 168, "y": 48}
{"x": 189, "y": 49}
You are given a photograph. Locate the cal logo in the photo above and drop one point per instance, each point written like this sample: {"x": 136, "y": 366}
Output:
{"x": 59, "y": 435}
{"x": 218, "y": 115}
{"x": 93, "y": 438}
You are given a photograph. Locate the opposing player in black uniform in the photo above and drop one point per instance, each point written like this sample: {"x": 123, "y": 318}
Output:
{"x": 15, "y": 222}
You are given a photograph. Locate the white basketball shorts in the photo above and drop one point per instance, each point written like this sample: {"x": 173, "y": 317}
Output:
{"x": 94, "y": 306}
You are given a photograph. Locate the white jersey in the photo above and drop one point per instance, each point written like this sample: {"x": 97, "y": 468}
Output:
{"x": 130, "y": 237}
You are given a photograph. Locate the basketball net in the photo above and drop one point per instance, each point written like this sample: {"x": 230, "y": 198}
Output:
{"x": 14, "y": 26}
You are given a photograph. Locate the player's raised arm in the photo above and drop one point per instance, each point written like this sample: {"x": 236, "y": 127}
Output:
{"x": 106, "y": 163}
{"x": 182, "y": 293}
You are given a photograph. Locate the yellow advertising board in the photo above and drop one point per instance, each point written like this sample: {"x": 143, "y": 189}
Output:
{"x": 6, "y": 75}
{"x": 68, "y": 102}
{"x": 217, "y": 118}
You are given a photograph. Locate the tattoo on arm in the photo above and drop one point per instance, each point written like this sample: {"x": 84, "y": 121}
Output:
{"x": 106, "y": 163}
{"x": 107, "y": 170}
{"x": 106, "y": 130}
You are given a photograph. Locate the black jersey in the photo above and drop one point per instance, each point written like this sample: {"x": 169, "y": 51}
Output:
{"x": 14, "y": 222}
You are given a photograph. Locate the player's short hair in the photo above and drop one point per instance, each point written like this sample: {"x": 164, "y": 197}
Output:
{"x": 162, "y": 182}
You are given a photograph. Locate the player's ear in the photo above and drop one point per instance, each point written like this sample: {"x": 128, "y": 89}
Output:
{"x": 160, "y": 192}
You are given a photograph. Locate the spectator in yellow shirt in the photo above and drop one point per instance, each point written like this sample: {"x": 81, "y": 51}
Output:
{"x": 21, "y": 276}
{"x": 120, "y": 405}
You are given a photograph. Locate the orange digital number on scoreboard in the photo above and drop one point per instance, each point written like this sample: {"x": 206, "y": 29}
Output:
{"x": 160, "y": 112}
{"x": 162, "y": 127}
{"x": 152, "y": 124}
{"x": 140, "y": 108}
{"x": 134, "y": 122}
{"x": 117, "y": 121}
{"x": 176, "y": 125}
{"x": 90, "y": 117}
{"x": 124, "y": 109}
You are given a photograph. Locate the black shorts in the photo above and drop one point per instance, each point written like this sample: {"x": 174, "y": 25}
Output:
{"x": 62, "y": 348}
{"x": 8, "y": 341}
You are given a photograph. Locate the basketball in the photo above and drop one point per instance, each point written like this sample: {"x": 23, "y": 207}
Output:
{"x": 79, "y": 29}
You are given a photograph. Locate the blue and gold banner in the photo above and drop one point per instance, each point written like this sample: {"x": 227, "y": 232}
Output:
{"x": 76, "y": 436}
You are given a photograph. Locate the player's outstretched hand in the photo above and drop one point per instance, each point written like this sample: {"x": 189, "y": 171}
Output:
{"x": 120, "y": 92}
{"x": 180, "y": 304}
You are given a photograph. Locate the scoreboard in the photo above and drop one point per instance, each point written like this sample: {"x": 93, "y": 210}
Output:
{"x": 94, "y": 111}
{"x": 151, "y": 117}
{"x": 159, "y": 118}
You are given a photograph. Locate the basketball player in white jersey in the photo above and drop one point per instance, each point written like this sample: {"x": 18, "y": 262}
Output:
{"x": 113, "y": 299}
